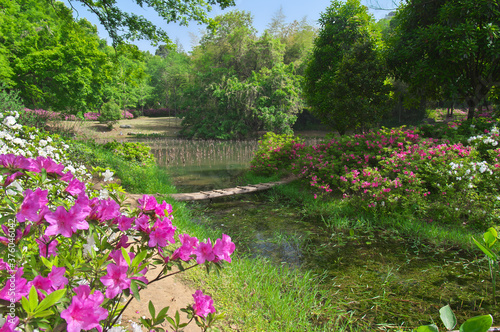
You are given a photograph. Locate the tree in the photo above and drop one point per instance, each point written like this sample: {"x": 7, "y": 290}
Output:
{"x": 344, "y": 81}
{"x": 444, "y": 48}
{"x": 55, "y": 62}
{"x": 122, "y": 26}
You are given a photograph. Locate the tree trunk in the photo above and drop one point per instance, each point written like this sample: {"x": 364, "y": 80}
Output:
{"x": 472, "y": 109}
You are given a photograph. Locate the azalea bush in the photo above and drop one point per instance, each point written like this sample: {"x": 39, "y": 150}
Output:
{"x": 127, "y": 115}
{"x": 91, "y": 116}
{"x": 401, "y": 169}
{"x": 72, "y": 257}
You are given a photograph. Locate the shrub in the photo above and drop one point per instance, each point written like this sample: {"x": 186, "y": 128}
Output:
{"x": 91, "y": 116}
{"x": 127, "y": 115}
{"x": 132, "y": 151}
{"x": 276, "y": 153}
{"x": 110, "y": 114}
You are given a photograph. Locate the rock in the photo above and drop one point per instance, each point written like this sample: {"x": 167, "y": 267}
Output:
{"x": 125, "y": 126}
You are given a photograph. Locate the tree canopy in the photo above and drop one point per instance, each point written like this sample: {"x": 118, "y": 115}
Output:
{"x": 124, "y": 26}
{"x": 344, "y": 81}
{"x": 448, "y": 48}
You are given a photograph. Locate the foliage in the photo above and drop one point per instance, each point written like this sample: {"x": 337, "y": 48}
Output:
{"x": 110, "y": 114}
{"x": 344, "y": 82}
{"x": 132, "y": 151}
{"x": 78, "y": 273}
{"x": 10, "y": 100}
{"x": 491, "y": 248}
{"x": 393, "y": 170}
{"x": 435, "y": 45}
{"x": 474, "y": 324}
{"x": 122, "y": 26}
{"x": 276, "y": 153}
{"x": 56, "y": 63}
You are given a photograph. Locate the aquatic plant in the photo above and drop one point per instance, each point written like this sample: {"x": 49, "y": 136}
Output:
{"x": 491, "y": 248}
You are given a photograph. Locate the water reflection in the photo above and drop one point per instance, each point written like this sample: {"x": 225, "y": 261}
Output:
{"x": 203, "y": 165}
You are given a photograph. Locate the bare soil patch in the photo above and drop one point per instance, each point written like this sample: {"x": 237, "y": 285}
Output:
{"x": 165, "y": 126}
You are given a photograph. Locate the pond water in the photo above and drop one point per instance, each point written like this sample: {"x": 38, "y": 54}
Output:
{"x": 203, "y": 165}
{"x": 379, "y": 275}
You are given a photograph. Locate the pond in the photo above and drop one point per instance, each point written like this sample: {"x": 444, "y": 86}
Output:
{"x": 379, "y": 275}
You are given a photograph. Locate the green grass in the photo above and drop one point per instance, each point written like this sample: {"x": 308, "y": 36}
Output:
{"x": 258, "y": 296}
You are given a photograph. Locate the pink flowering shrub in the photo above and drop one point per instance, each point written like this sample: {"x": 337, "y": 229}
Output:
{"x": 127, "y": 115}
{"x": 71, "y": 255}
{"x": 91, "y": 116}
{"x": 399, "y": 170}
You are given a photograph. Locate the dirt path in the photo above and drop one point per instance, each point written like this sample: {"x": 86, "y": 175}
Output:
{"x": 124, "y": 129}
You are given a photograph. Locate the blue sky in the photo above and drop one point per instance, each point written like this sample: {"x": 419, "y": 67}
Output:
{"x": 262, "y": 12}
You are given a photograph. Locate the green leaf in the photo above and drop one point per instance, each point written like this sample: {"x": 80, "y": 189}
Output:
{"x": 139, "y": 258}
{"x": 25, "y": 304}
{"x": 126, "y": 256}
{"x": 477, "y": 324}
{"x": 490, "y": 237}
{"x": 163, "y": 312}
{"x": 135, "y": 289}
{"x": 43, "y": 314}
{"x": 427, "y": 328}
{"x": 152, "y": 309}
{"x": 448, "y": 317}
{"x": 33, "y": 299}
{"x": 51, "y": 299}
{"x": 46, "y": 262}
{"x": 43, "y": 174}
{"x": 487, "y": 251}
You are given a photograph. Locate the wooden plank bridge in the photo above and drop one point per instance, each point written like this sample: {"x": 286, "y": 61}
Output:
{"x": 202, "y": 195}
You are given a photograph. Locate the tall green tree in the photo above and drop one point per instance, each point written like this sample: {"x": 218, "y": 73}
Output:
{"x": 55, "y": 62}
{"x": 344, "y": 81}
{"x": 447, "y": 48}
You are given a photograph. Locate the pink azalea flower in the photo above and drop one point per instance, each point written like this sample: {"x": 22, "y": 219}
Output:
{"x": 84, "y": 312}
{"x": 123, "y": 242}
{"x": 116, "y": 280}
{"x": 12, "y": 162}
{"x": 75, "y": 187}
{"x": 66, "y": 222}
{"x": 204, "y": 252}
{"x": 187, "y": 248}
{"x": 147, "y": 203}
{"x": 33, "y": 202}
{"x": 124, "y": 223}
{"x": 41, "y": 283}
{"x": 67, "y": 177}
{"x": 47, "y": 250}
{"x": 142, "y": 224}
{"x": 50, "y": 166}
{"x": 21, "y": 287}
{"x": 203, "y": 304}
{"x": 103, "y": 210}
{"x": 56, "y": 276}
{"x": 11, "y": 178}
{"x": 10, "y": 324}
{"x": 162, "y": 232}
{"x": 19, "y": 234}
{"x": 223, "y": 248}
